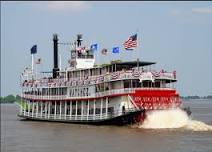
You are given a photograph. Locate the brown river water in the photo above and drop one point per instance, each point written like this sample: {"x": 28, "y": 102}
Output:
{"x": 182, "y": 134}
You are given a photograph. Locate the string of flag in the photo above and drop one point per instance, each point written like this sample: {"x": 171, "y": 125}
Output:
{"x": 130, "y": 44}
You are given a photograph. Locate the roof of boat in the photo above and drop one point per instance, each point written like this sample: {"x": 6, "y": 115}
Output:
{"x": 118, "y": 63}
{"x": 135, "y": 63}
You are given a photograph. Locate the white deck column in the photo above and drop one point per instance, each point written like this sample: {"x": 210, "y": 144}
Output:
{"x": 76, "y": 111}
{"x": 94, "y": 109}
{"x": 41, "y": 109}
{"x": 101, "y": 108}
{"x": 28, "y": 105}
{"x": 70, "y": 109}
{"x": 60, "y": 109}
{"x": 55, "y": 109}
{"x": 82, "y": 109}
{"x": 21, "y": 108}
{"x": 49, "y": 104}
{"x": 65, "y": 109}
{"x": 88, "y": 110}
{"x": 47, "y": 93}
{"x": 33, "y": 108}
{"x": 106, "y": 110}
{"x": 25, "y": 106}
{"x": 46, "y": 109}
{"x": 37, "y": 109}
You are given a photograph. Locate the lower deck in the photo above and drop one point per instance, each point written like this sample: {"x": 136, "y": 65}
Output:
{"x": 77, "y": 110}
{"x": 97, "y": 109}
{"x": 128, "y": 117}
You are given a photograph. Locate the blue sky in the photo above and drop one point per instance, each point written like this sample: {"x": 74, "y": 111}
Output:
{"x": 177, "y": 35}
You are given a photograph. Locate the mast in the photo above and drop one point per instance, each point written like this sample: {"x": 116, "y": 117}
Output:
{"x": 60, "y": 62}
{"x": 32, "y": 63}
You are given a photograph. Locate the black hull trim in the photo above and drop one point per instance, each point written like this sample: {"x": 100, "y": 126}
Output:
{"x": 128, "y": 118}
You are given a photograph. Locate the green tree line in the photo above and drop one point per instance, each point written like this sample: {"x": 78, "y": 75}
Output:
{"x": 10, "y": 99}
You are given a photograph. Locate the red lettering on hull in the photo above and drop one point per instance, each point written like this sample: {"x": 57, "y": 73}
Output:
{"x": 156, "y": 99}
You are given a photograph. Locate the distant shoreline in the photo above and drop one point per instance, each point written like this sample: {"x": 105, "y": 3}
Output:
{"x": 10, "y": 99}
{"x": 196, "y": 97}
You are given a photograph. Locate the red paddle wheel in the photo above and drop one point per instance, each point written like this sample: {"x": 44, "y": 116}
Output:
{"x": 156, "y": 99}
{"x": 150, "y": 99}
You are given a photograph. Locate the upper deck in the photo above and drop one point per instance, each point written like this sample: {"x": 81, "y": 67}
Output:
{"x": 99, "y": 74}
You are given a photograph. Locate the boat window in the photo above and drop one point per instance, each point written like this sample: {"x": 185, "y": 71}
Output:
{"x": 157, "y": 84}
{"x": 100, "y": 71}
{"x": 91, "y": 72}
{"x": 87, "y": 54}
{"x": 107, "y": 86}
{"x": 99, "y": 87}
{"x": 73, "y": 111}
{"x": 111, "y": 110}
{"x": 97, "y": 110}
{"x": 78, "y": 111}
{"x": 73, "y": 103}
{"x": 127, "y": 83}
{"x": 136, "y": 83}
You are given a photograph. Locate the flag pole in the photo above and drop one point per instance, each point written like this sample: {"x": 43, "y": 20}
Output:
{"x": 96, "y": 57}
{"x": 32, "y": 63}
{"x": 139, "y": 40}
{"x": 137, "y": 52}
{"x": 36, "y": 70}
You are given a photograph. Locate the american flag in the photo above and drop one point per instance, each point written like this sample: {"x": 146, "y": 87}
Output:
{"x": 131, "y": 42}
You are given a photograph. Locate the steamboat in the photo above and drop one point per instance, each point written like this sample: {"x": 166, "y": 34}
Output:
{"x": 116, "y": 93}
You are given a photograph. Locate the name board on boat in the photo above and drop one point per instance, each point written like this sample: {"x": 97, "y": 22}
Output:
{"x": 146, "y": 76}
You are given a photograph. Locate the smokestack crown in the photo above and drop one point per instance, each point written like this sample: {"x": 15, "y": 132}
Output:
{"x": 79, "y": 40}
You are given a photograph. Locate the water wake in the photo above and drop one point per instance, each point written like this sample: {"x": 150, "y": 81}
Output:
{"x": 173, "y": 118}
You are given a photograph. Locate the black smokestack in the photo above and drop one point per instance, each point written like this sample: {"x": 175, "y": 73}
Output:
{"x": 55, "y": 69}
{"x": 79, "y": 40}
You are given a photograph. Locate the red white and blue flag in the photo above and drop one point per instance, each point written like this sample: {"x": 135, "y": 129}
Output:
{"x": 131, "y": 43}
{"x": 34, "y": 49}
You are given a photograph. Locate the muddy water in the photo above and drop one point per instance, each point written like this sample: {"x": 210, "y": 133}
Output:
{"x": 33, "y": 136}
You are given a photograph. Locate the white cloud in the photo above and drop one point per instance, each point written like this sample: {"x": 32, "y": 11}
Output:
{"x": 175, "y": 12}
{"x": 207, "y": 10}
{"x": 68, "y": 5}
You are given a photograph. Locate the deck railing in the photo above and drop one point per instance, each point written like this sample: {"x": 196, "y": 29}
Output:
{"x": 114, "y": 76}
{"x": 95, "y": 95}
{"x": 84, "y": 117}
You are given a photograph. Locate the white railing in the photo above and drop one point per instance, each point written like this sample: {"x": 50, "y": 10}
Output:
{"x": 83, "y": 117}
{"x": 95, "y": 95}
{"x": 114, "y": 76}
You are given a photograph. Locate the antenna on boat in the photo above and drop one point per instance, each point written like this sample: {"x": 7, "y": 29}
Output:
{"x": 60, "y": 61}
{"x": 32, "y": 64}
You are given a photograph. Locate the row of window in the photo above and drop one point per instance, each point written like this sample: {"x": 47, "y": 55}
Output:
{"x": 48, "y": 91}
{"x": 98, "y": 88}
{"x": 91, "y": 111}
{"x": 78, "y": 92}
